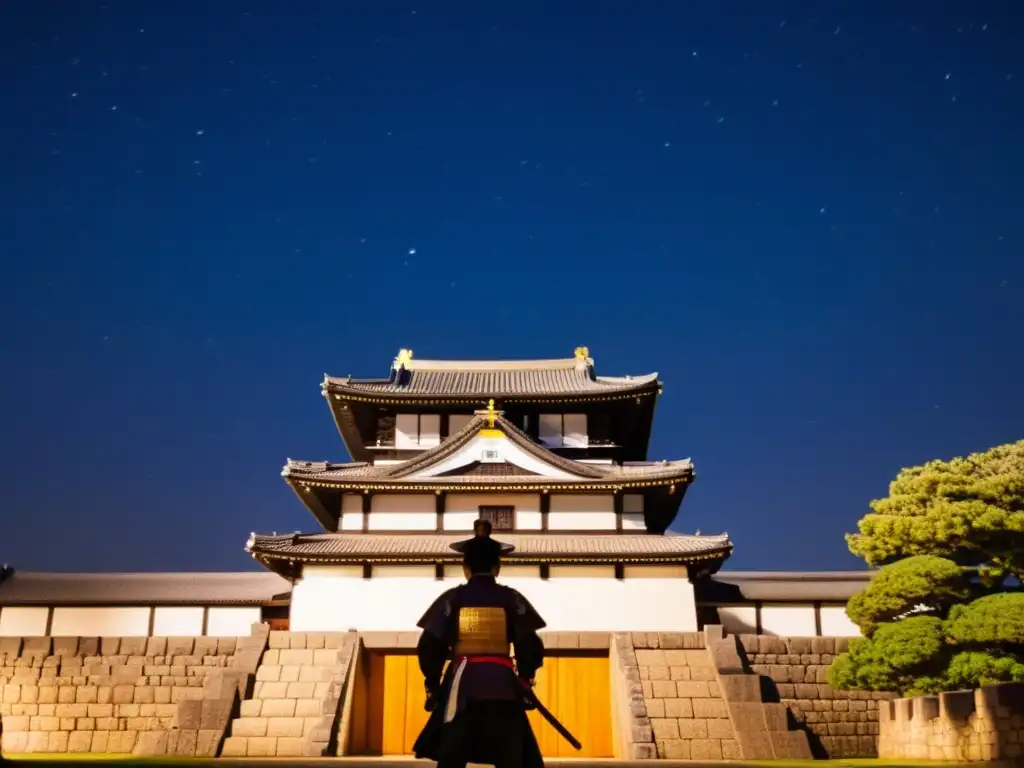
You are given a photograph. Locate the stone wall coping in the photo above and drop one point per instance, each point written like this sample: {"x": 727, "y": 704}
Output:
{"x": 956, "y": 706}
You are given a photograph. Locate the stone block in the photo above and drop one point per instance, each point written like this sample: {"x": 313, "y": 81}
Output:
{"x": 278, "y": 708}
{"x": 665, "y": 728}
{"x": 208, "y": 742}
{"x": 719, "y": 728}
{"x": 250, "y": 707}
{"x": 187, "y": 741}
{"x": 790, "y": 745}
{"x": 268, "y": 673}
{"x": 710, "y": 708}
{"x": 706, "y": 749}
{"x": 216, "y": 713}
{"x": 673, "y": 749}
{"x": 307, "y": 707}
{"x": 234, "y": 746}
{"x": 668, "y": 640}
{"x": 285, "y": 726}
{"x": 754, "y": 745}
{"x": 302, "y": 690}
{"x": 203, "y": 646}
{"x": 691, "y": 689}
{"x": 190, "y": 714}
{"x": 262, "y": 746}
{"x": 690, "y": 728}
{"x": 57, "y": 741}
{"x": 671, "y": 708}
{"x": 747, "y": 716}
{"x": 279, "y": 639}
{"x": 289, "y": 746}
{"x": 151, "y": 743}
{"x": 14, "y": 742}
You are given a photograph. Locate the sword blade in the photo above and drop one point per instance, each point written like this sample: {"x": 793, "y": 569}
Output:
{"x": 532, "y": 699}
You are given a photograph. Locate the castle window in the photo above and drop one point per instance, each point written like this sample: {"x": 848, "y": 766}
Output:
{"x": 500, "y": 518}
{"x": 563, "y": 430}
{"x": 417, "y": 430}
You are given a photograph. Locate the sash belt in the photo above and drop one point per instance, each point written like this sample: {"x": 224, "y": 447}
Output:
{"x": 460, "y": 667}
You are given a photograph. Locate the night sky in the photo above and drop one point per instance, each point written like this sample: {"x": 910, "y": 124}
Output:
{"x": 807, "y": 217}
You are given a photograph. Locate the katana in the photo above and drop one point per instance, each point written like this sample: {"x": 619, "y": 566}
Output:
{"x": 533, "y": 701}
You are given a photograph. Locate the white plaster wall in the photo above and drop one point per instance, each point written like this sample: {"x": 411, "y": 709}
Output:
{"x": 21, "y": 621}
{"x": 504, "y": 449}
{"x": 403, "y": 512}
{"x": 462, "y": 509}
{"x": 587, "y": 512}
{"x": 351, "y": 512}
{"x": 122, "y": 621}
{"x": 788, "y": 620}
{"x": 835, "y": 622}
{"x": 178, "y": 621}
{"x": 406, "y": 430}
{"x": 232, "y": 622}
{"x": 633, "y": 512}
{"x": 575, "y": 598}
{"x": 430, "y": 430}
{"x": 738, "y": 619}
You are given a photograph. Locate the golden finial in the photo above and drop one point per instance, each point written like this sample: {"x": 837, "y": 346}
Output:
{"x": 582, "y": 353}
{"x": 491, "y": 414}
{"x": 404, "y": 357}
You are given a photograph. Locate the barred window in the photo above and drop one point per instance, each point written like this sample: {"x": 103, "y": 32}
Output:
{"x": 500, "y": 518}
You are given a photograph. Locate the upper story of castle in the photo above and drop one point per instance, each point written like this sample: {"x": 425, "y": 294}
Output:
{"x": 562, "y": 404}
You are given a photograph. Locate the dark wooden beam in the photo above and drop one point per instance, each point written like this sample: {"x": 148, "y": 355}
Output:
{"x": 545, "y": 510}
{"x": 49, "y": 621}
{"x": 817, "y": 619}
{"x": 206, "y": 621}
{"x": 439, "y": 571}
{"x": 440, "y": 501}
{"x": 367, "y": 506}
{"x": 619, "y": 501}
{"x": 545, "y": 571}
{"x": 150, "y": 631}
{"x": 367, "y": 571}
{"x": 620, "y": 571}
{"x": 757, "y": 618}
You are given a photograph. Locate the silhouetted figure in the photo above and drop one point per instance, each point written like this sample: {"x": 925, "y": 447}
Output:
{"x": 478, "y": 711}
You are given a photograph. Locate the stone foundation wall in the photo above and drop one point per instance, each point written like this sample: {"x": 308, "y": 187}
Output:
{"x": 689, "y": 720}
{"x": 962, "y": 726}
{"x": 686, "y": 696}
{"x": 112, "y": 694}
{"x": 296, "y": 700}
{"x": 795, "y": 671}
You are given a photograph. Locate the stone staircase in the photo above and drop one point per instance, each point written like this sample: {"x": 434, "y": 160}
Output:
{"x": 687, "y": 696}
{"x": 296, "y": 700}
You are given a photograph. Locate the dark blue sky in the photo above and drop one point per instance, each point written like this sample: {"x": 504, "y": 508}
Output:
{"x": 807, "y": 217}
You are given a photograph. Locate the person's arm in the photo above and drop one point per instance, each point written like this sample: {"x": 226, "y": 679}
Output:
{"x": 526, "y": 623}
{"x": 432, "y": 650}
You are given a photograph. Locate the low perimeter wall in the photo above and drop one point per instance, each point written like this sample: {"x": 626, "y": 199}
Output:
{"x": 962, "y": 726}
{"x": 795, "y": 673}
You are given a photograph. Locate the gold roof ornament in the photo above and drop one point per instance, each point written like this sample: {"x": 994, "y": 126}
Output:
{"x": 491, "y": 414}
{"x": 581, "y": 353}
{"x": 404, "y": 358}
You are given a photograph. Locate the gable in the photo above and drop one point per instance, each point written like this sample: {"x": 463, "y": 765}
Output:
{"x": 489, "y": 469}
{"x": 491, "y": 446}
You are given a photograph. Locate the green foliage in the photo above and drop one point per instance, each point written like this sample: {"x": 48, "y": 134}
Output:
{"x": 971, "y": 669}
{"x": 970, "y": 510}
{"x": 988, "y": 621}
{"x": 901, "y": 656}
{"x": 923, "y": 583}
{"x": 937, "y": 616}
